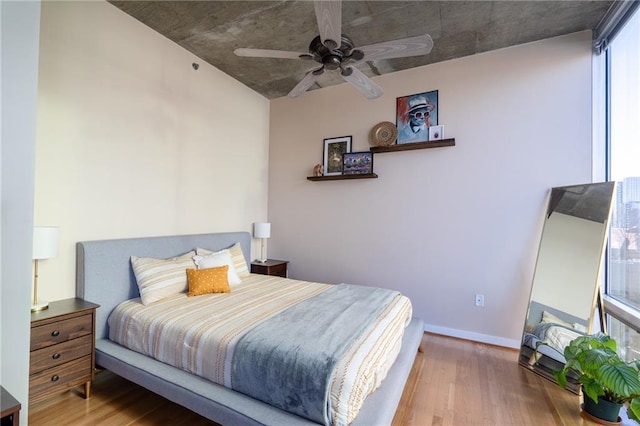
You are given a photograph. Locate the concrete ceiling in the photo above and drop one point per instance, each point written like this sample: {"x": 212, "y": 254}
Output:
{"x": 212, "y": 30}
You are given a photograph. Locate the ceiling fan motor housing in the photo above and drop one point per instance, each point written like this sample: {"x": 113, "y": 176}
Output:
{"x": 333, "y": 58}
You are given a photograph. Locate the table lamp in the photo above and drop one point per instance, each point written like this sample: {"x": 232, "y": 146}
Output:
{"x": 45, "y": 246}
{"x": 262, "y": 230}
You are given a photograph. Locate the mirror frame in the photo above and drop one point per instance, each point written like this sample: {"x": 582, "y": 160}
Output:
{"x": 570, "y": 201}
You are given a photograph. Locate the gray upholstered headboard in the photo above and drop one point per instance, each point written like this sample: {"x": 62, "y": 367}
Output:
{"x": 103, "y": 268}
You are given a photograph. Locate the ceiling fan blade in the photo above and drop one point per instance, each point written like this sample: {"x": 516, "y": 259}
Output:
{"x": 412, "y": 46}
{"x": 329, "y": 16}
{"x": 305, "y": 83}
{"x": 266, "y": 53}
{"x": 364, "y": 84}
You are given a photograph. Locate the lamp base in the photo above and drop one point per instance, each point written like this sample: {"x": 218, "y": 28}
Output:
{"x": 40, "y": 306}
{"x": 261, "y": 260}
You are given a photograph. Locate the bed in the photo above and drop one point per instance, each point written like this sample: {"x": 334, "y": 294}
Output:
{"x": 553, "y": 327}
{"x": 547, "y": 332}
{"x": 105, "y": 277}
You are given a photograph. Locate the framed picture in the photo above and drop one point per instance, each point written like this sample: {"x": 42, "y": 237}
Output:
{"x": 414, "y": 115}
{"x": 334, "y": 148}
{"x": 436, "y": 133}
{"x": 357, "y": 163}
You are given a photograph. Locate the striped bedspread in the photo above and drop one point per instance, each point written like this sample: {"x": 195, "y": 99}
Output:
{"x": 200, "y": 334}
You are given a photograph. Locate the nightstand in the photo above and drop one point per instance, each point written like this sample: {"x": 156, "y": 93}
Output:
{"x": 10, "y": 412}
{"x": 62, "y": 348}
{"x": 270, "y": 267}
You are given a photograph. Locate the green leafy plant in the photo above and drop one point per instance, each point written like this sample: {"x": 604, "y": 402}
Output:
{"x": 595, "y": 360}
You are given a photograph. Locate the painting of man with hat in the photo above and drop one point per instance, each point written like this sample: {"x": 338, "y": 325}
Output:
{"x": 414, "y": 115}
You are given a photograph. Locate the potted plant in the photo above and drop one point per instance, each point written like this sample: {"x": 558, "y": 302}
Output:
{"x": 606, "y": 379}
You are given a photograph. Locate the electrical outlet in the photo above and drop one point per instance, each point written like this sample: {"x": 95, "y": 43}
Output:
{"x": 479, "y": 299}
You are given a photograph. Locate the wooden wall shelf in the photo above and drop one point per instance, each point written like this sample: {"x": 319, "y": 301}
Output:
{"x": 412, "y": 146}
{"x": 343, "y": 177}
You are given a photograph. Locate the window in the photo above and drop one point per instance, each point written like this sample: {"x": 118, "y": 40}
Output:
{"x": 623, "y": 253}
{"x": 626, "y": 338}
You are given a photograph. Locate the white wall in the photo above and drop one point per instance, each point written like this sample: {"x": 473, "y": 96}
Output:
{"x": 132, "y": 141}
{"x": 20, "y": 29}
{"x": 440, "y": 224}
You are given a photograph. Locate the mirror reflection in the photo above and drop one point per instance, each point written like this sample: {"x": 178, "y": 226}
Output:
{"x": 565, "y": 287}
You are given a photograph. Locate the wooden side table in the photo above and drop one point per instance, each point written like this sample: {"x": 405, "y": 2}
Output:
{"x": 270, "y": 267}
{"x": 10, "y": 411}
{"x": 62, "y": 348}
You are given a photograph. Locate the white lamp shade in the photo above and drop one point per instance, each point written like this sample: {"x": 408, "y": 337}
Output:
{"x": 45, "y": 242}
{"x": 261, "y": 230}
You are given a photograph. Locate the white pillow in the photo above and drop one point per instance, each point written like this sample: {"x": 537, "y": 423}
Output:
{"x": 161, "y": 278}
{"x": 237, "y": 257}
{"x": 216, "y": 259}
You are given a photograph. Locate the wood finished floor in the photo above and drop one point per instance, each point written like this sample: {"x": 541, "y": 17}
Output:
{"x": 453, "y": 382}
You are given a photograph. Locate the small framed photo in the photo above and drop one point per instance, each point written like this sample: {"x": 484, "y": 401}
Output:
{"x": 334, "y": 148}
{"x": 357, "y": 163}
{"x": 436, "y": 133}
{"x": 414, "y": 115}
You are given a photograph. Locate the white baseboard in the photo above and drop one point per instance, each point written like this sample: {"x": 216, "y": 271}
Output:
{"x": 476, "y": 337}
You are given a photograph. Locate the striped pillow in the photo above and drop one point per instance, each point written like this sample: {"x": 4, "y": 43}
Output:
{"x": 161, "y": 278}
{"x": 237, "y": 258}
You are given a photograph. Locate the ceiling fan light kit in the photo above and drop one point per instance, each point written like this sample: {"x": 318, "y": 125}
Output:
{"x": 325, "y": 50}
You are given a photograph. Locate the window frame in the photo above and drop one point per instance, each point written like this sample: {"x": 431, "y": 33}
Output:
{"x": 603, "y": 57}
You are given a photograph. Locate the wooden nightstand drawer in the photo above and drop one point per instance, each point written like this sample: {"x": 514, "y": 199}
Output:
{"x": 60, "y": 378}
{"x": 61, "y": 331}
{"x": 279, "y": 270}
{"x": 52, "y": 356}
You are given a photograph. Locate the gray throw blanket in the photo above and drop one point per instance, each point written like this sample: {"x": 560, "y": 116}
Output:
{"x": 287, "y": 361}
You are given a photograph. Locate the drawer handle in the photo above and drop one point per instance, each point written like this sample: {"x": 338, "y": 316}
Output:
{"x": 55, "y": 378}
{"x": 55, "y": 333}
{"x": 56, "y": 356}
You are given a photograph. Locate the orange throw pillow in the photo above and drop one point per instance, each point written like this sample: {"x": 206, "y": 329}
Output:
{"x": 207, "y": 281}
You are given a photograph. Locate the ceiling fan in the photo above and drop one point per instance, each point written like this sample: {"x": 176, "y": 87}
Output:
{"x": 335, "y": 51}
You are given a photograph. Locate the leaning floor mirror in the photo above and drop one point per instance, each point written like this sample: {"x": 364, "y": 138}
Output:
{"x": 565, "y": 293}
